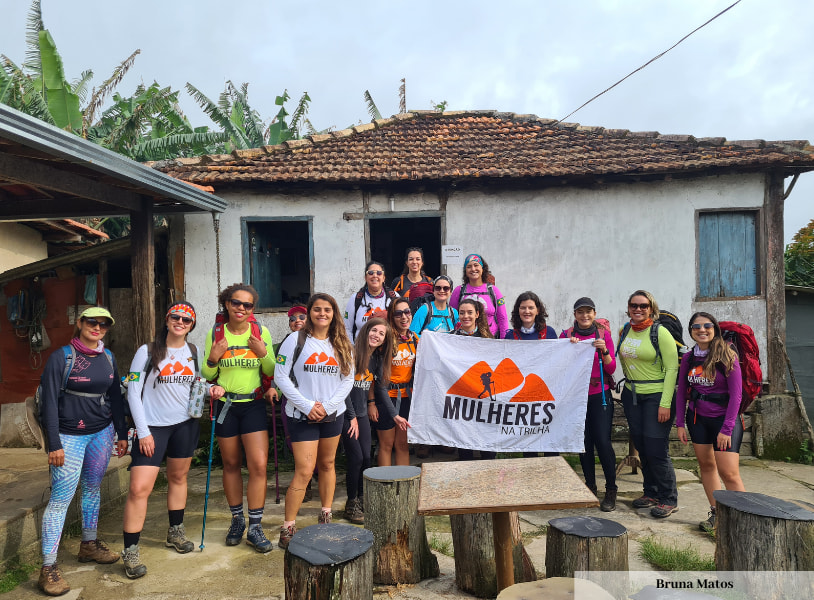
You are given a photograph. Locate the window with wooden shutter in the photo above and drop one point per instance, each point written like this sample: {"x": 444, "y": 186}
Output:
{"x": 727, "y": 253}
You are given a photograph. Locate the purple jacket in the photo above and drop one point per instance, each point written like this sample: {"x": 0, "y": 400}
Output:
{"x": 695, "y": 380}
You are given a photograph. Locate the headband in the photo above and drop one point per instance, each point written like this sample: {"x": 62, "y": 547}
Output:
{"x": 444, "y": 277}
{"x": 476, "y": 257}
{"x": 182, "y": 308}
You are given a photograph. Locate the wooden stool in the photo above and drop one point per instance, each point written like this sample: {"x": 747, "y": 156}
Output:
{"x": 400, "y": 550}
{"x": 584, "y": 544}
{"x": 555, "y": 588}
{"x": 329, "y": 561}
{"x": 754, "y": 532}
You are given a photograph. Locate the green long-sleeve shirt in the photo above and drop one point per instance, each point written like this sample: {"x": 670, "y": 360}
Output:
{"x": 639, "y": 363}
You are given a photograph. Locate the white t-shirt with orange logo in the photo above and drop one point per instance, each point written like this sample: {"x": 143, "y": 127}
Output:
{"x": 160, "y": 397}
{"x": 318, "y": 374}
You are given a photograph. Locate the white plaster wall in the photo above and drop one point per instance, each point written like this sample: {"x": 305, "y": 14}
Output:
{"x": 20, "y": 246}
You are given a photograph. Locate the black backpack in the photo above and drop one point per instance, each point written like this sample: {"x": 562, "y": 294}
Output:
{"x": 449, "y": 317}
{"x": 360, "y": 295}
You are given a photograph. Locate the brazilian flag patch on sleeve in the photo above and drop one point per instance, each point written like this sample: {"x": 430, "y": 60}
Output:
{"x": 501, "y": 302}
{"x": 133, "y": 376}
{"x": 280, "y": 359}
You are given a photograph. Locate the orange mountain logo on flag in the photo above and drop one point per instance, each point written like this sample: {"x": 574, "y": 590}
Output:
{"x": 175, "y": 368}
{"x": 321, "y": 359}
{"x": 481, "y": 381}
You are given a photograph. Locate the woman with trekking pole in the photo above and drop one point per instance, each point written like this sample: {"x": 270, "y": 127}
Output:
{"x": 477, "y": 284}
{"x": 650, "y": 380}
{"x": 372, "y": 362}
{"x": 599, "y": 412}
{"x": 82, "y": 413}
{"x": 239, "y": 353}
{"x": 391, "y": 415}
{"x": 712, "y": 373}
{"x": 163, "y": 386}
{"x": 315, "y": 371}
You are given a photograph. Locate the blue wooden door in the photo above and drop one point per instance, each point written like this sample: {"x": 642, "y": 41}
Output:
{"x": 264, "y": 265}
{"x": 727, "y": 249}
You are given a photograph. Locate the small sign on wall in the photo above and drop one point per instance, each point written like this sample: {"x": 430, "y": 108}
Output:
{"x": 452, "y": 255}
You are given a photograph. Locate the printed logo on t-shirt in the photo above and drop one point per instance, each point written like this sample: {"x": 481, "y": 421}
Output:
{"x": 175, "y": 372}
{"x": 630, "y": 348}
{"x": 404, "y": 357}
{"x": 81, "y": 424}
{"x": 243, "y": 358}
{"x": 696, "y": 376}
{"x": 363, "y": 381}
{"x": 319, "y": 362}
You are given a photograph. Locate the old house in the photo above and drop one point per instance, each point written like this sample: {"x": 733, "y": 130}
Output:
{"x": 557, "y": 208}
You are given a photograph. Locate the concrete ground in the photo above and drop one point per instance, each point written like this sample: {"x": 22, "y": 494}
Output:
{"x": 239, "y": 572}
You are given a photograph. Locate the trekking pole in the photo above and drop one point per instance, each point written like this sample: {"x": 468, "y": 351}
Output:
{"x": 208, "y": 468}
{"x": 602, "y": 378}
{"x": 276, "y": 465}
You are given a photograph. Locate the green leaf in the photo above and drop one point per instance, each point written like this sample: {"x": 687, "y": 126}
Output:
{"x": 64, "y": 108}
{"x": 52, "y": 71}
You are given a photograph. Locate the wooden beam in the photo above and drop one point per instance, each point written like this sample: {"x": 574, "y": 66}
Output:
{"x": 142, "y": 268}
{"x": 775, "y": 284}
{"x": 37, "y": 173}
{"x": 61, "y": 208}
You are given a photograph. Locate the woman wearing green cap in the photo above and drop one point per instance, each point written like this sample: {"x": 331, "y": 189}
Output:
{"x": 82, "y": 413}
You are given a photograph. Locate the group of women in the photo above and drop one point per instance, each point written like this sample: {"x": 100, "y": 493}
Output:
{"x": 341, "y": 380}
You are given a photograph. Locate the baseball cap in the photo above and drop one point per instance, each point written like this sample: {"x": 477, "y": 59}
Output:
{"x": 97, "y": 311}
{"x": 584, "y": 301}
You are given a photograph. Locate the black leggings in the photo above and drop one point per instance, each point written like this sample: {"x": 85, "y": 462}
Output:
{"x": 598, "y": 424}
{"x": 357, "y": 451}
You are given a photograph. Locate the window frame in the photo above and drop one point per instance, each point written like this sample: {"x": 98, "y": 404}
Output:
{"x": 245, "y": 222}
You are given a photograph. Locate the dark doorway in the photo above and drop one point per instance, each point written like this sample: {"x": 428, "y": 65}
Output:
{"x": 390, "y": 238}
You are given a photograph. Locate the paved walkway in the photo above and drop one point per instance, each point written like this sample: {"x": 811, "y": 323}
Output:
{"x": 220, "y": 572}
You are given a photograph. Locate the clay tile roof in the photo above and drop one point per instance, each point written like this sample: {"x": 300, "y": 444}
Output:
{"x": 461, "y": 146}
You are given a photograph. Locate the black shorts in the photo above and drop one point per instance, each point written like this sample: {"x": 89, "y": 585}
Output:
{"x": 302, "y": 431}
{"x": 705, "y": 430}
{"x": 172, "y": 441}
{"x": 385, "y": 422}
{"x": 241, "y": 418}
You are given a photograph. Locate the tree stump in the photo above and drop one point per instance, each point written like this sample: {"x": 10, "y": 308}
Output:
{"x": 555, "y": 588}
{"x": 754, "y": 532}
{"x": 473, "y": 541}
{"x": 586, "y": 544}
{"x": 401, "y": 553}
{"x": 329, "y": 561}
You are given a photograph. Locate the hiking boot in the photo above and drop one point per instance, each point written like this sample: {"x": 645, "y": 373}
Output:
{"x": 608, "y": 503}
{"x": 361, "y": 500}
{"x": 97, "y": 551}
{"x": 709, "y": 524}
{"x": 177, "y": 538}
{"x": 258, "y": 539}
{"x": 644, "y": 502}
{"x": 286, "y": 533}
{"x": 324, "y": 517}
{"x": 51, "y": 581}
{"x": 309, "y": 493}
{"x": 236, "y": 529}
{"x": 661, "y": 511}
{"x": 354, "y": 513}
{"x": 132, "y": 563}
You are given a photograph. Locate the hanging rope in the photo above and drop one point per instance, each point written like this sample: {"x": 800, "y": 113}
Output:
{"x": 216, "y": 225}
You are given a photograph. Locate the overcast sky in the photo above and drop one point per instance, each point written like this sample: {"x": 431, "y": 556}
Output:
{"x": 746, "y": 75}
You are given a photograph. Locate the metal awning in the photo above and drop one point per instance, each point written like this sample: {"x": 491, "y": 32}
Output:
{"x": 48, "y": 173}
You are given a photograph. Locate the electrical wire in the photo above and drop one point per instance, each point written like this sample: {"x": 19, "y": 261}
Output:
{"x": 652, "y": 60}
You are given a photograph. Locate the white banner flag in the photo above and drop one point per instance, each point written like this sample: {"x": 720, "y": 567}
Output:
{"x": 500, "y": 395}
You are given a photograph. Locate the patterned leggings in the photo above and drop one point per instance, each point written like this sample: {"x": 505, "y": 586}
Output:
{"x": 86, "y": 459}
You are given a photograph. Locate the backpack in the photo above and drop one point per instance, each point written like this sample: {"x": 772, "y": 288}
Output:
{"x": 449, "y": 317}
{"x": 400, "y": 288}
{"x": 490, "y": 289}
{"x": 742, "y": 339}
{"x": 257, "y": 331}
{"x": 358, "y": 302}
{"x": 69, "y": 355}
{"x": 602, "y": 324}
{"x": 671, "y": 323}
{"x": 420, "y": 294}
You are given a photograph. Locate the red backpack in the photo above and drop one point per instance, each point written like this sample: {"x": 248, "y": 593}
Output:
{"x": 257, "y": 331}
{"x": 742, "y": 339}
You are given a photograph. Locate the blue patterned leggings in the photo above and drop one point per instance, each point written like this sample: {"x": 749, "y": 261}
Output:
{"x": 86, "y": 460}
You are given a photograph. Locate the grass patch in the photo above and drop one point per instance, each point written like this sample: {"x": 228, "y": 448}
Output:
{"x": 15, "y": 574}
{"x": 438, "y": 523}
{"x": 72, "y": 530}
{"x": 534, "y": 533}
{"x": 671, "y": 558}
{"x": 441, "y": 545}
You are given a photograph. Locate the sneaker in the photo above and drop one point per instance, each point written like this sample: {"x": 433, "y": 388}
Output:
{"x": 132, "y": 563}
{"x": 236, "y": 529}
{"x": 353, "y": 512}
{"x": 644, "y": 502}
{"x": 608, "y": 503}
{"x": 324, "y": 517}
{"x": 286, "y": 533}
{"x": 257, "y": 539}
{"x": 177, "y": 538}
{"x": 51, "y": 581}
{"x": 97, "y": 551}
{"x": 661, "y": 511}
{"x": 709, "y": 524}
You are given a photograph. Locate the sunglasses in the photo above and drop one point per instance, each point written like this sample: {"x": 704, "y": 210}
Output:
{"x": 634, "y": 306}
{"x": 372, "y": 272}
{"x": 299, "y": 317}
{"x": 702, "y": 325}
{"x": 442, "y": 288}
{"x": 238, "y": 304}
{"x": 402, "y": 313}
{"x": 184, "y": 320}
{"x": 94, "y": 322}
